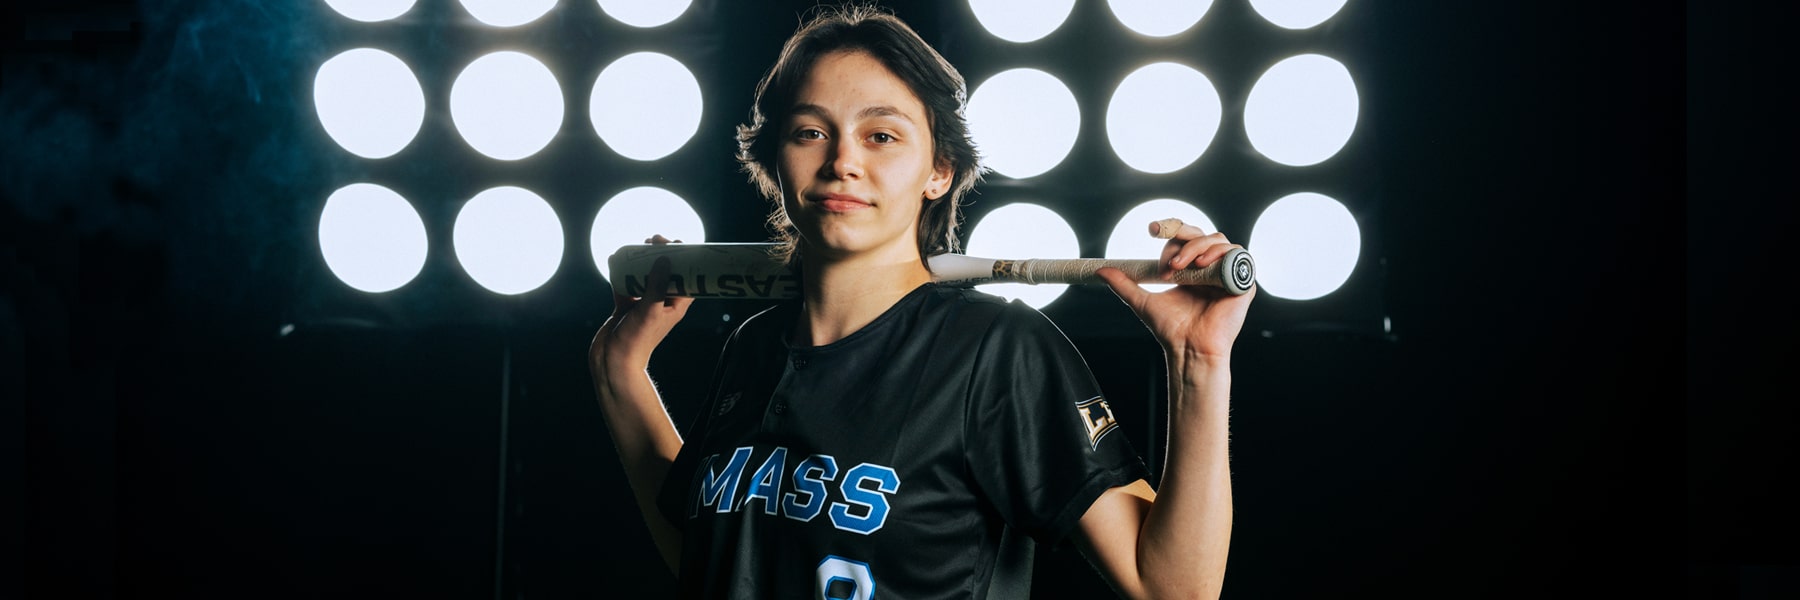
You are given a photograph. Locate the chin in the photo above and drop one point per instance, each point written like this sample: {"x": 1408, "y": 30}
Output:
{"x": 833, "y": 245}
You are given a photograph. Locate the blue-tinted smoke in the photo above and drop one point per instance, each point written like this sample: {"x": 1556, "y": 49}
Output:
{"x": 172, "y": 129}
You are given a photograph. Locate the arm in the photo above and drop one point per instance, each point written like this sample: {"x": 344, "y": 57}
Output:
{"x": 1174, "y": 544}
{"x": 641, "y": 430}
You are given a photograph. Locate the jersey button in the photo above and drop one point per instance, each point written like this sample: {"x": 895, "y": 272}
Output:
{"x": 799, "y": 362}
{"x": 779, "y": 408}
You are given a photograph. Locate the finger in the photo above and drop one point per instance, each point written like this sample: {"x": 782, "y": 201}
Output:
{"x": 1214, "y": 254}
{"x": 657, "y": 239}
{"x": 1169, "y": 250}
{"x": 1157, "y": 227}
{"x": 657, "y": 281}
{"x": 1194, "y": 248}
{"x": 1122, "y": 286}
{"x": 1186, "y": 231}
{"x": 1184, "y": 257}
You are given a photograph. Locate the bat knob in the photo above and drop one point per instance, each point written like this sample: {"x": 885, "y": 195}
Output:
{"x": 1240, "y": 271}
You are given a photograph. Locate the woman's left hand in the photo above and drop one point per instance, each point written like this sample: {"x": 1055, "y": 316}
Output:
{"x": 1189, "y": 320}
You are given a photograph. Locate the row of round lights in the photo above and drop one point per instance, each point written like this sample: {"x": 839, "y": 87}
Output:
{"x": 510, "y": 240}
{"x": 513, "y": 13}
{"x": 1164, "y": 115}
{"x": 1022, "y": 21}
{"x": 1161, "y": 118}
{"x": 507, "y": 105}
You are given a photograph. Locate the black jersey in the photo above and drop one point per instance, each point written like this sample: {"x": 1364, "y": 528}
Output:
{"x": 916, "y": 458}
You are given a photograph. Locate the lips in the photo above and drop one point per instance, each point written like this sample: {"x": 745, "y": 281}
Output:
{"x": 840, "y": 203}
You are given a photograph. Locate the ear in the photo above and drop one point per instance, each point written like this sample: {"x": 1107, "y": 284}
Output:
{"x": 939, "y": 183}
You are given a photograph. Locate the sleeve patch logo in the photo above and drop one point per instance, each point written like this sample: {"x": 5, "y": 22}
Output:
{"x": 1097, "y": 417}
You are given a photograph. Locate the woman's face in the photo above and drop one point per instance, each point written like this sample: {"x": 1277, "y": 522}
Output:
{"x": 856, "y": 161}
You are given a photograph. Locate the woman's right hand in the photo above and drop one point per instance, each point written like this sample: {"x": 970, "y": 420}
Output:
{"x": 637, "y": 325}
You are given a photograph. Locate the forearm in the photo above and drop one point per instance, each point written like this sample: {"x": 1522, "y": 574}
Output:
{"x": 1187, "y": 533}
{"x": 645, "y": 438}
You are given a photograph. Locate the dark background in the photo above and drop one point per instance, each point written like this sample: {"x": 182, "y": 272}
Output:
{"x": 1575, "y": 400}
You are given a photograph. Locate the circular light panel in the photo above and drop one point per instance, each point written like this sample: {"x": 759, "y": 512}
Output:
{"x": 508, "y": 239}
{"x": 507, "y": 13}
{"x": 644, "y": 13}
{"x": 1021, "y": 21}
{"x": 1162, "y": 117}
{"x": 371, "y": 238}
{"x": 369, "y": 102}
{"x": 1131, "y": 238}
{"x": 1024, "y": 121}
{"x": 1302, "y": 110}
{"x": 636, "y": 214}
{"x": 507, "y": 105}
{"x": 1159, "y": 18}
{"x": 1018, "y": 231}
{"x": 645, "y": 105}
{"x": 1305, "y": 245}
{"x": 370, "y": 11}
{"x": 1297, "y": 14}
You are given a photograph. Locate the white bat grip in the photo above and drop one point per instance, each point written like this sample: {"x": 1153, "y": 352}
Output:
{"x": 1234, "y": 272}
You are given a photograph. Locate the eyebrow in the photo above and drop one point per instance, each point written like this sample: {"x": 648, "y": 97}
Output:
{"x": 870, "y": 112}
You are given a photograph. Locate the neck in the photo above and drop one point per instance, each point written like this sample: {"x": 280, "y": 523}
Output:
{"x": 844, "y": 294}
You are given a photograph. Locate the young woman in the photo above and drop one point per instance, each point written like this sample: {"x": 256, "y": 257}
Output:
{"x": 886, "y": 434}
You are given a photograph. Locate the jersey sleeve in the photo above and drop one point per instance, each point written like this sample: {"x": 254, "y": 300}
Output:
{"x": 672, "y": 498}
{"x": 1041, "y": 440}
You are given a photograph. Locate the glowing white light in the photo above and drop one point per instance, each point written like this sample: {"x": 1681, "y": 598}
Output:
{"x": 1162, "y": 117}
{"x": 508, "y": 239}
{"x": 1024, "y": 121}
{"x": 1159, "y": 18}
{"x": 507, "y": 105}
{"x": 1131, "y": 238}
{"x": 645, "y": 105}
{"x": 1021, "y": 20}
{"x": 1305, "y": 246}
{"x": 1296, "y": 14}
{"x": 369, "y": 102}
{"x": 1301, "y": 111}
{"x": 635, "y": 215}
{"x": 369, "y": 11}
{"x": 371, "y": 237}
{"x": 1024, "y": 231}
{"x": 645, "y": 13}
{"x": 507, "y": 13}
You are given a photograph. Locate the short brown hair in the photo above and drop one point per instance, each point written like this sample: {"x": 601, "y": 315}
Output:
{"x": 865, "y": 28}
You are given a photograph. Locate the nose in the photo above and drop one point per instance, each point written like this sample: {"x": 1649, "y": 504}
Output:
{"x": 845, "y": 160}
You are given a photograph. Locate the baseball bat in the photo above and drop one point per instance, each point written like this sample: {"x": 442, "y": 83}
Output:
{"x": 750, "y": 271}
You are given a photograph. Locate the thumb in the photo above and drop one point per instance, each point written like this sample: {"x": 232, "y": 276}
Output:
{"x": 1123, "y": 286}
{"x": 622, "y": 304}
{"x": 657, "y": 281}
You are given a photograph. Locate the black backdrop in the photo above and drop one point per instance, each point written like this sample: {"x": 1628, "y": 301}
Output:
{"x": 1575, "y": 404}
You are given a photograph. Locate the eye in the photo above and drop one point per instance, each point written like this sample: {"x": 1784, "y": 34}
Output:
{"x": 809, "y": 134}
{"x": 883, "y": 138}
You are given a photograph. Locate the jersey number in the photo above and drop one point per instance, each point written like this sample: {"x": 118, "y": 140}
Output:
{"x": 844, "y": 579}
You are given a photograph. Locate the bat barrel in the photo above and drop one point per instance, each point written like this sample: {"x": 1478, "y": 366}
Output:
{"x": 743, "y": 271}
